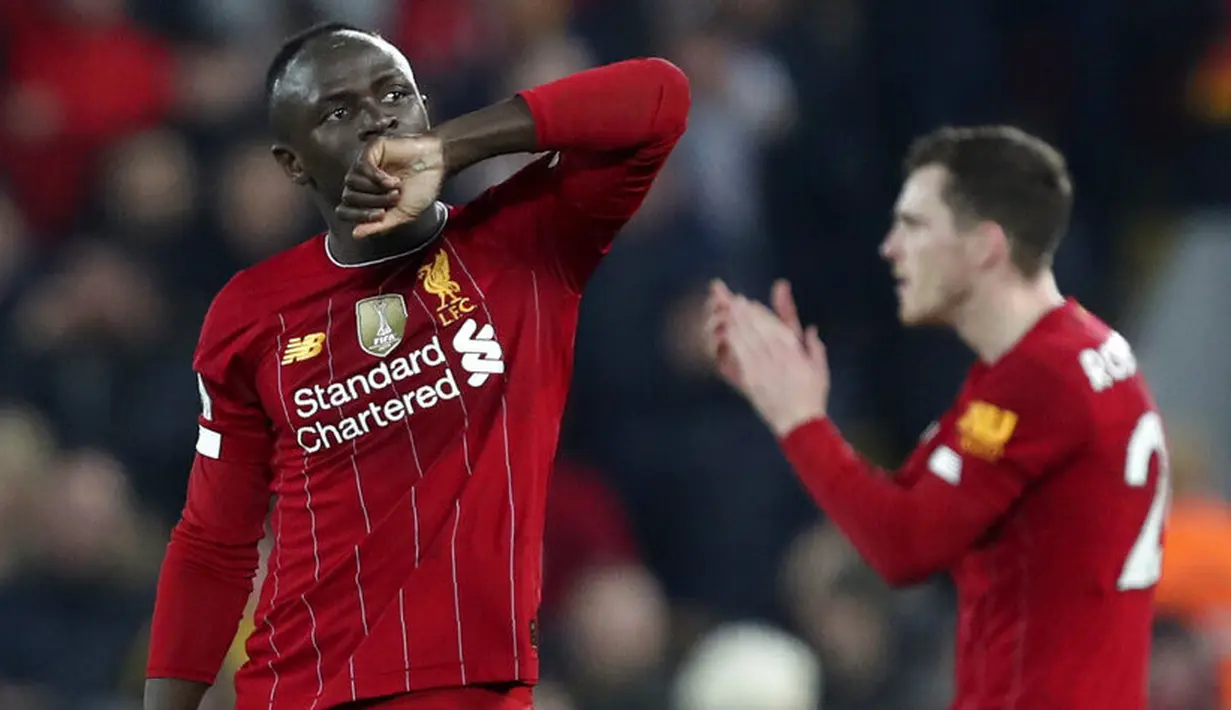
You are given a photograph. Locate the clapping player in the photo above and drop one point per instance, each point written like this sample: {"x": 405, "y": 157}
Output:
{"x": 1043, "y": 489}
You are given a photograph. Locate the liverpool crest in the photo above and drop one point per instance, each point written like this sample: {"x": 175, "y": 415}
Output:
{"x": 438, "y": 281}
{"x": 382, "y": 323}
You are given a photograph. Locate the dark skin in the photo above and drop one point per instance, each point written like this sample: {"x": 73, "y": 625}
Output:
{"x": 344, "y": 91}
{"x": 340, "y": 94}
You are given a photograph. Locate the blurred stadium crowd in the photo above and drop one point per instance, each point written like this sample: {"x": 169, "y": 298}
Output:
{"x": 685, "y": 568}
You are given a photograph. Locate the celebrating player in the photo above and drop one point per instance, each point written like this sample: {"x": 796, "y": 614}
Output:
{"x": 1042, "y": 491}
{"x": 396, "y": 384}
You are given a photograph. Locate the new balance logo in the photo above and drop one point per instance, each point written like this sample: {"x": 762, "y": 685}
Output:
{"x": 482, "y": 356}
{"x": 305, "y": 348}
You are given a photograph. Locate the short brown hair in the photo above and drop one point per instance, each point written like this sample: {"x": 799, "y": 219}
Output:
{"x": 1004, "y": 175}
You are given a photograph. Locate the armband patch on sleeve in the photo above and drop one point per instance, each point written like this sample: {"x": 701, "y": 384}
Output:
{"x": 209, "y": 443}
{"x": 984, "y": 429}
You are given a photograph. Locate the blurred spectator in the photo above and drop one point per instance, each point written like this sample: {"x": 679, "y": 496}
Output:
{"x": 601, "y": 606}
{"x": 218, "y": 87}
{"x": 1181, "y": 670}
{"x": 749, "y": 667}
{"x": 88, "y": 558}
{"x": 1196, "y": 583}
{"x": 262, "y": 211}
{"x": 63, "y": 104}
{"x": 540, "y": 48}
{"x": 28, "y": 446}
{"x": 135, "y": 179}
{"x": 843, "y": 611}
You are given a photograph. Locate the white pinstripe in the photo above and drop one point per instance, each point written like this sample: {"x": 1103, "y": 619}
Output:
{"x": 354, "y": 462}
{"x": 273, "y": 599}
{"x": 414, "y": 510}
{"x": 316, "y": 555}
{"x": 354, "y": 443}
{"x": 508, "y": 464}
{"x": 457, "y": 519}
{"x": 363, "y": 610}
{"x": 457, "y": 604}
{"x": 320, "y": 677}
{"x": 405, "y": 645}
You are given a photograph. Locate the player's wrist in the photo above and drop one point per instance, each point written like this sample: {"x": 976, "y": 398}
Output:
{"x": 785, "y": 426}
{"x": 503, "y": 128}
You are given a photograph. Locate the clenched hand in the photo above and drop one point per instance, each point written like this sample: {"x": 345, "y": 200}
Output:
{"x": 392, "y": 182}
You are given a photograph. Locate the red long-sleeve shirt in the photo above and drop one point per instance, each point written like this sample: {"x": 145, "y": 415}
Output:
{"x": 404, "y": 415}
{"x": 1041, "y": 492}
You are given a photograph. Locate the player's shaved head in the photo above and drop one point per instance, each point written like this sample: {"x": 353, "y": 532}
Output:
{"x": 332, "y": 89}
{"x": 292, "y": 77}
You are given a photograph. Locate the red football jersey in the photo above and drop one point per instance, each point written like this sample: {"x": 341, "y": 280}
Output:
{"x": 404, "y": 414}
{"x": 1043, "y": 492}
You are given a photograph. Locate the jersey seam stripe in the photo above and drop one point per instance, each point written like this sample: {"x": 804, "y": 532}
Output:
{"x": 414, "y": 510}
{"x": 504, "y": 424}
{"x": 457, "y": 511}
{"x": 273, "y": 601}
{"x": 316, "y": 557}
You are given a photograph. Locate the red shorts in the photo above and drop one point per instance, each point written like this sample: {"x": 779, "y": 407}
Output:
{"x": 496, "y": 697}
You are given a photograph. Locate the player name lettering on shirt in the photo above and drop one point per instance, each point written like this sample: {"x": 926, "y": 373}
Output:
{"x": 1111, "y": 362}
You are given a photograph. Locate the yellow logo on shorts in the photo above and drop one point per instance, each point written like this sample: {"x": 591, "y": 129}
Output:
{"x": 305, "y": 348}
{"x": 984, "y": 429}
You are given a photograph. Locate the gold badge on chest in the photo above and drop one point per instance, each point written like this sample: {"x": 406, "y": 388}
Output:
{"x": 382, "y": 323}
{"x": 438, "y": 281}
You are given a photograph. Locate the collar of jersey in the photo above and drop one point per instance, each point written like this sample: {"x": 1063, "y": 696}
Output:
{"x": 439, "y": 231}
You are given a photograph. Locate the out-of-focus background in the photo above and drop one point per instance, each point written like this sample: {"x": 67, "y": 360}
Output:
{"x": 685, "y": 567}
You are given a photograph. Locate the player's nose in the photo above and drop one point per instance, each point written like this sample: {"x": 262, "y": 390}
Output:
{"x": 887, "y": 247}
{"x": 377, "y": 125}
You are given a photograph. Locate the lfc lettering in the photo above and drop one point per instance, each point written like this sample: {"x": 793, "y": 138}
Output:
{"x": 453, "y": 311}
{"x": 438, "y": 281}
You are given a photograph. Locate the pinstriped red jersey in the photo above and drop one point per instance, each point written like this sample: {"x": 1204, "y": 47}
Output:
{"x": 1042, "y": 492}
{"x": 404, "y": 415}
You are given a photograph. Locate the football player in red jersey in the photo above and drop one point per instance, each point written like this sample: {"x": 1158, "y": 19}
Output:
{"x": 395, "y": 384}
{"x": 1042, "y": 490}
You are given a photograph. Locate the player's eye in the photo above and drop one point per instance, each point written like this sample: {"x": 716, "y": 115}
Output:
{"x": 397, "y": 96}
{"x": 341, "y": 113}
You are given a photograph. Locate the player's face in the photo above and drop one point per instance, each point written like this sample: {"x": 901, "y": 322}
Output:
{"x": 345, "y": 90}
{"x": 927, "y": 251}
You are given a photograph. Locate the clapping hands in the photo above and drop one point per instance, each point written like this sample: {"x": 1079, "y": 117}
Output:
{"x": 768, "y": 356}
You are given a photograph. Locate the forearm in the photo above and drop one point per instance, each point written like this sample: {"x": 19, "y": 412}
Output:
{"x": 202, "y": 591}
{"x": 905, "y": 533}
{"x": 173, "y": 694}
{"x": 500, "y": 129}
{"x": 621, "y": 106}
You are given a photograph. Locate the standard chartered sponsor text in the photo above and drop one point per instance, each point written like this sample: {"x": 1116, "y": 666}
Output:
{"x": 402, "y": 403}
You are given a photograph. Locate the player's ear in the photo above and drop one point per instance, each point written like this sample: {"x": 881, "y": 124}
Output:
{"x": 991, "y": 245}
{"x": 290, "y": 164}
